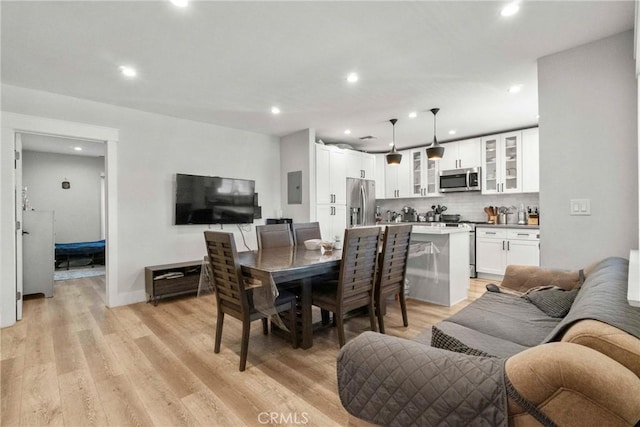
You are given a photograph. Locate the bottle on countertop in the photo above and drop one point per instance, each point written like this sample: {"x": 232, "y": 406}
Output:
{"x": 534, "y": 216}
{"x": 522, "y": 215}
{"x": 337, "y": 244}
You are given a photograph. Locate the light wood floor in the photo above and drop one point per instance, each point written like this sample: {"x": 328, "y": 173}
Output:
{"x": 73, "y": 362}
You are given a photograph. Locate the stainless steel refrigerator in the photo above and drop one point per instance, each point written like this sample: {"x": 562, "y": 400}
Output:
{"x": 361, "y": 202}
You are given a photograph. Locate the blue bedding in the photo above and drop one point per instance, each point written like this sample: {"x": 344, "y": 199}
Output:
{"x": 80, "y": 248}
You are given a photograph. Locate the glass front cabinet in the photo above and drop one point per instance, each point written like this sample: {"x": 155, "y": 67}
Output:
{"x": 424, "y": 174}
{"x": 502, "y": 163}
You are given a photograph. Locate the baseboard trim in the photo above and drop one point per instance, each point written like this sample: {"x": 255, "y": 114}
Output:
{"x": 129, "y": 298}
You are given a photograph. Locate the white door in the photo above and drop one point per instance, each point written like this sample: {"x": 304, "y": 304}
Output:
{"x": 491, "y": 177}
{"x": 450, "y": 159}
{"x": 469, "y": 153}
{"x": 404, "y": 174}
{"x": 523, "y": 252}
{"x": 338, "y": 178}
{"x": 324, "y": 217}
{"x": 339, "y": 222}
{"x": 368, "y": 166}
{"x": 391, "y": 180}
{"x": 511, "y": 155}
{"x": 19, "y": 219}
{"x": 354, "y": 164}
{"x": 323, "y": 186}
{"x": 530, "y": 161}
{"x": 38, "y": 244}
{"x": 490, "y": 256}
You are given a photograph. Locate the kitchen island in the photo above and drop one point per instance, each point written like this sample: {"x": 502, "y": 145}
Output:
{"x": 438, "y": 265}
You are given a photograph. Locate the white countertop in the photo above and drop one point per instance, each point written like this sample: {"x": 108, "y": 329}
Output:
{"x": 427, "y": 229}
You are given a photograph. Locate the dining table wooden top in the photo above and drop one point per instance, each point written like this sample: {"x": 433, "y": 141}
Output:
{"x": 290, "y": 261}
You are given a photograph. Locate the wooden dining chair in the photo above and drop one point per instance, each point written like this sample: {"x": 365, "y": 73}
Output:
{"x": 305, "y": 231}
{"x": 355, "y": 284}
{"x": 274, "y": 236}
{"x": 392, "y": 270}
{"x": 232, "y": 295}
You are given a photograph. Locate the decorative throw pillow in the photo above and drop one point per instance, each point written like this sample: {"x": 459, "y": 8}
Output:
{"x": 552, "y": 300}
{"x": 446, "y": 342}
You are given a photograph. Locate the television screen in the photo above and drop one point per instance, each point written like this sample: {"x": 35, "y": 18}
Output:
{"x": 213, "y": 200}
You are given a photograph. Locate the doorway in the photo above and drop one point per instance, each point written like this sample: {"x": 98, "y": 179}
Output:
{"x": 13, "y": 126}
{"x": 62, "y": 184}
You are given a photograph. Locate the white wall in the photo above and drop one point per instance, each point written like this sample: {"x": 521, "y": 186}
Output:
{"x": 588, "y": 149}
{"x": 297, "y": 154}
{"x": 77, "y": 209}
{"x": 151, "y": 150}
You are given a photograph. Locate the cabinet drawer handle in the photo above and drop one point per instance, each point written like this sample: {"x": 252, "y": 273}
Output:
{"x": 508, "y": 245}
{"x": 503, "y": 245}
{"x": 523, "y": 234}
{"x": 490, "y": 232}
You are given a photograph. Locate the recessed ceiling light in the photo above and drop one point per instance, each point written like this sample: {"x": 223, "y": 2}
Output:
{"x": 515, "y": 88}
{"x": 352, "y": 77}
{"x": 77, "y": 148}
{"x": 452, "y": 132}
{"x": 128, "y": 71}
{"x": 347, "y": 132}
{"x": 391, "y": 144}
{"x": 275, "y": 110}
{"x": 537, "y": 116}
{"x": 180, "y": 3}
{"x": 413, "y": 115}
{"x": 510, "y": 9}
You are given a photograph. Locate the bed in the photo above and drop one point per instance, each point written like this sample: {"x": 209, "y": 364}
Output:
{"x": 68, "y": 251}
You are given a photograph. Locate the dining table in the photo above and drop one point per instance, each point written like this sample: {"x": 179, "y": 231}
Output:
{"x": 277, "y": 267}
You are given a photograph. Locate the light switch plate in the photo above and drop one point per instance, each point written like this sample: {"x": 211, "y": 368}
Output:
{"x": 580, "y": 207}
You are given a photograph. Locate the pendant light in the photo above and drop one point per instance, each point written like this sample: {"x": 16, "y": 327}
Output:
{"x": 435, "y": 151}
{"x": 393, "y": 157}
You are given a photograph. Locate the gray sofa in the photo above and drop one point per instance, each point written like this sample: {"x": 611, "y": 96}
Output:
{"x": 506, "y": 362}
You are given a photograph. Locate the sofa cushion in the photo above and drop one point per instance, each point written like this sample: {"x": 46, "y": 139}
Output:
{"x": 506, "y": 317}
{"x": 454, "y": 337}
{"x": 553, "y": 301}
{"x": 603, "y": 297}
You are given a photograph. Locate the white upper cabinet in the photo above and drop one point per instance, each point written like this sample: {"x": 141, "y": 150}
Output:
{"x": 502, "y": 163}
{"x": 331, "y": 175}
{"x": 530, "y": 161}
{"x": 423, "y": 174}
{"x": 380, "y": 162}
{"x": 461, "y": 154}
{"x": 398, "y": 177}
{"x": 360, "y": 165}
{"x": 368, "y": 166}
{"x": 469, "y": 153}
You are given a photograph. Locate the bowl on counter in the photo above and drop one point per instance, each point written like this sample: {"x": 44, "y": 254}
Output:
{"x": 313, "y": 244}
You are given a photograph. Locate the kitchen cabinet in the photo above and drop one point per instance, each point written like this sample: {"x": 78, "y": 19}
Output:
{"x": 331, "y": 175}
{"x": 398, "y": 177}
{"x": 332, "y": 219}
{"x": 380, "y": 162}
{"x": 498, "y": 247}
{"x": 502, "y": 163}
{"x": 359, "y": 164}
{"x": 462, "y": 154}
{"x": 530, "y": 161}
{"x": 423, "y": 175}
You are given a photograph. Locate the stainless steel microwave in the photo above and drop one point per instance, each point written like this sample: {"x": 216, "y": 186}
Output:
{"x": 460, "y": 180}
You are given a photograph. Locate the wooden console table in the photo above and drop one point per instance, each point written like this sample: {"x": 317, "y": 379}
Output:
{"x": 171, "y": 280}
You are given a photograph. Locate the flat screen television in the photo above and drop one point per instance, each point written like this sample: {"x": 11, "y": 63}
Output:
{"x": 213, "y": 200}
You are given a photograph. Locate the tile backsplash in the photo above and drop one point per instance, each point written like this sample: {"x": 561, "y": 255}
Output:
{"x": 469, "y": 205}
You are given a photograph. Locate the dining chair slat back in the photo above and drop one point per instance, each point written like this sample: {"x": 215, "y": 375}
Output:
{"x": 233, "y": 297}
{"x": 305, "y": 231}
{"x": 392, "y": 269}
{"x": 356, "y": 280}
{"x": 274, "y": 236}
{"x": 227, "y": 277}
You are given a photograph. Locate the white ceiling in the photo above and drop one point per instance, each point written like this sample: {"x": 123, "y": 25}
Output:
{"x": 228, "y": 62}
